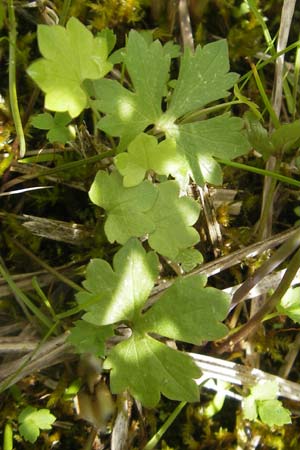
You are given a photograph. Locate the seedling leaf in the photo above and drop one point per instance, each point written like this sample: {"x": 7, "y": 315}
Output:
{"x": 271, "y": 412}
{"x": 57, "y": 126}
{"x": 31, "y": 421}
{"x": 70, "y": 56}
{"x": 262, "y": 402}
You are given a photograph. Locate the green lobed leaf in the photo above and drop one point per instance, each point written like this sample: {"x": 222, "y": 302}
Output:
{"x": 129, "y": 113}
{"x": 173, "y": 217}
{"x": 126, "y": 208}
{"x": 122, "y": 292}
{"x": 203, "y": 78}
{"x": 31, "y": 421}
{"x": 89, "y": 338}
{"x": 57, "y": 126}
{"x": 156, "y": 210}
{"x": 147, "y": 368}
{"x": 290, "y": 304}
{"x": 189, "y": 312}
{"x": 263, "y": 402}
{"x": 144, "y": 154}
{"x": 271, "y": 412}
{"x": 200, "y": 141}
{"x": 70, "y": 55}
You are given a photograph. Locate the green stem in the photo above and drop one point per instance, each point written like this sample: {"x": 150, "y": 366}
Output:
{"x": 264, "y": 172}
{"x": 13, "y": 100}
{"x": 159, "y": 434}
{"x": 65, "y": 12}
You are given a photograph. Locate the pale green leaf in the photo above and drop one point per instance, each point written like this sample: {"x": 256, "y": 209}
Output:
{"x": 203, "y": 78}
{"x": 249, "y": 408}
{"x": 89, "y": 338}
{"x": 32, "y": 420}
{"x": 147, "y": 368}
{"x": 122, "y": 292}
{"x": 271, "y": 412}
{"x": 173, "y": 217}
{"x": 43, "y": 121}
{"x": 189, "y": 312}
{"x": 58, "y": 131}
{"x": 126, "y": 208}
{"x": 265, "y": 390}
{"x": 290, "y": 304}
{"x": 144, "y": 154}
{"x": 70, "y": 55}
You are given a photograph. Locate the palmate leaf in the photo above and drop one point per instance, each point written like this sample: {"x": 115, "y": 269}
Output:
{"x": 173, "y": 217}
{"x": 147, "y": 209}
{"x": 126, "y": 207}
{"x": 57, "y": 126}
{"x": 144, "y": 154}
{"x": 203, "y": 78}
{"x": 129, "y": 113}
{"x": 70, "y": 56}
{"x": 32, "y": 420}
{"x": 187, "y": 311}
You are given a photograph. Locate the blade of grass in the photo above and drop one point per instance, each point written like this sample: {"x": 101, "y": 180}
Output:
{"x": 23, "y": 299}
{"x": 264, "y": 97}
{"x": 46, "y": 266}
{"x": 13, "y": 99}
{"x": 296, "y": 80}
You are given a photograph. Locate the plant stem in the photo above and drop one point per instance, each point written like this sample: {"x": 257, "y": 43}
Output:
{"x": 13, "y": 100}
{"x": 8, "y": 437}
{"x": 264, "y": 172}
{"x": 158, "y": 435}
